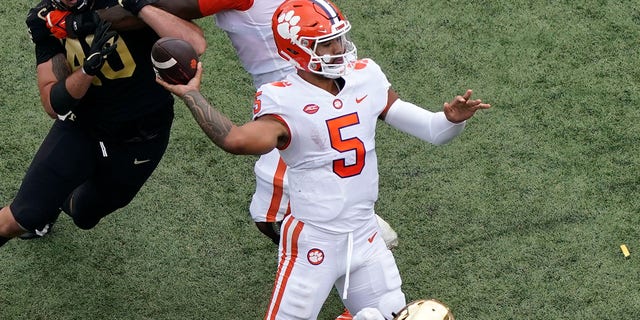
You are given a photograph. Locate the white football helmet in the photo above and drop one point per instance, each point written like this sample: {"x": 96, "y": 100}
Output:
{"x": 425, "y": 310}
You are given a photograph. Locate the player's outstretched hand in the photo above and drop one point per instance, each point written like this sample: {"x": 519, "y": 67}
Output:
{"x": 463, "y": 107}
{"x": 100, "y": 49}
{"x": 181, "y": 89}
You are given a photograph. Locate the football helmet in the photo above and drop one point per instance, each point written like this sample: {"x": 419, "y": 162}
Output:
{"x": 79, "y": 6}
{"x": 425, "y": 310}
{"x": 300, "y": 27}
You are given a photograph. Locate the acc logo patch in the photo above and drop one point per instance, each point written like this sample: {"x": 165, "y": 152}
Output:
{"x": 311, "y": 108}
{"x": 315, "y": 256}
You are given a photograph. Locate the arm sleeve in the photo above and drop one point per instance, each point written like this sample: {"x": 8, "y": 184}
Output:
{"x": 429, "y": 126}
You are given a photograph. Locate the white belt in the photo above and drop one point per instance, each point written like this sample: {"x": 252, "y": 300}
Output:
{"x": 349, "y": 254}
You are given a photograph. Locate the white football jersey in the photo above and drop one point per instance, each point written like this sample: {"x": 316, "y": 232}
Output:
{"x": 333, "y": 170}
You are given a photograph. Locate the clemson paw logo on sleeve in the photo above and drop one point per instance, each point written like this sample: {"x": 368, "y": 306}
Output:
{"x": 287, "y": 26}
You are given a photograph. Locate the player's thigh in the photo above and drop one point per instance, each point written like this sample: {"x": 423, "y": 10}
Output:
{"x": 66, "y": 158}
{"x": 127, "y": 167}
{"x": 306, "y": 273}
{"x": 375, "y": 284}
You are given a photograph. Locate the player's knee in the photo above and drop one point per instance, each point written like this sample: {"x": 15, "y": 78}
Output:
{"x": 87, "y": 212}
{"x": 86, "y": 224}
{"x": 87, "y": 218}
{"x": 391, "y": 302}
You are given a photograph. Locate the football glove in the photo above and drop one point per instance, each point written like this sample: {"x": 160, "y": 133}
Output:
{"x": 56, "y": 22}
{"x": 134, "y": 6}
{"x": 100, "y": 48}
{"x": 81, "y": 24}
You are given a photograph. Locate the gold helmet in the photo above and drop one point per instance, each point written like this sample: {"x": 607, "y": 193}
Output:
{"x": 425, "y": 310}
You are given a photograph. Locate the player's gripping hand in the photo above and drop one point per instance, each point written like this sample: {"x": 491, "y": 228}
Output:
{"x": 134, "y": 6}
{"x": 57, "y": 23}
{"x": 79, "y": 25}
{"x": 181, "y": 90}
{"x": 100, "y": 48}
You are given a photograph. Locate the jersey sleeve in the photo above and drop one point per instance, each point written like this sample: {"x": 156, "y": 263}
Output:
{"x": 47, "y": 45}
{"x": 375, "y": 71}
{"x": 211, "y": 7}
{"x": 380, "y": 85}
{"x": 266, "y": 102}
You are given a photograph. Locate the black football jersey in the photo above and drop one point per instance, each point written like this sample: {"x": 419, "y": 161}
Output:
{"x": 124, "y": 89}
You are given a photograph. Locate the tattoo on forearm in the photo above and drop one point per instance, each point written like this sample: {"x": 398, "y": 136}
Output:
{"x": 213, "y": 123}
{"x": 60, "y": 67}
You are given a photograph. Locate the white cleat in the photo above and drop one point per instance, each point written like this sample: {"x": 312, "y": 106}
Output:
{"x": 389, "y": 235}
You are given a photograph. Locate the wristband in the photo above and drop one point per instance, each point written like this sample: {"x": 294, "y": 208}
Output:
{"x": 61, "y": 101}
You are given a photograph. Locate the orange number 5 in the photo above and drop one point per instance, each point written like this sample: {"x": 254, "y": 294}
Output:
{"x": 344, "y": 145}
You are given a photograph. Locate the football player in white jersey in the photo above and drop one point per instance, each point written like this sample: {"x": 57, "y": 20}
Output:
{"x": 322, "y": 120}
{"x": 248, "y": 25}
{"x": 250, "y": 33}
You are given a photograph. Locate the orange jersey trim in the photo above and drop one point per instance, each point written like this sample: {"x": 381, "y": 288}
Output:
{"x": 279, "y": 118}
{"x": 276, "y": 196}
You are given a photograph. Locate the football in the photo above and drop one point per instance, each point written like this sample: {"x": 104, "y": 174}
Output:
{"x": 174, "y": 60}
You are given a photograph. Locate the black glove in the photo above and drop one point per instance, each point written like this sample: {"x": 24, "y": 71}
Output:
{"x": 100, "y": 48}
{"x": 134, "y": 6}
{"x": 79, "y": 25}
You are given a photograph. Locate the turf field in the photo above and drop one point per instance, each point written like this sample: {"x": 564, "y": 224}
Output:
{"x": 521, "y": 217}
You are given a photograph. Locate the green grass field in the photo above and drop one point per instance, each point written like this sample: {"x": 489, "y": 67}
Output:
{"x": 521, "y": 217}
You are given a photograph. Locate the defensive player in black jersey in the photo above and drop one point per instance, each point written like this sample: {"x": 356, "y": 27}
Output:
{"x": 112, "y": 120}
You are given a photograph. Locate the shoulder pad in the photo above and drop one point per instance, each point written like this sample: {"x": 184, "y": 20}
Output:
{"x": 36, "y": 21}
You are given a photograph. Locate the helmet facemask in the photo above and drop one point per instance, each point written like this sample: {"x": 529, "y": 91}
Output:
{"x": 332, "y": 66}
{"x": 80, "y": 6}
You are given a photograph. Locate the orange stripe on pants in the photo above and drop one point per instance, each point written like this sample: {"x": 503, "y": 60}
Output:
{"x": 286, "y": 264}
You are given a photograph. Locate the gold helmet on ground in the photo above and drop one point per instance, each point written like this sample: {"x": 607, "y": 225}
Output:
{"x": 425, "y": 310}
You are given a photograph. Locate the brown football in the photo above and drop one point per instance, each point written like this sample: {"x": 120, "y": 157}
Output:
{"x": 174, "y": 60}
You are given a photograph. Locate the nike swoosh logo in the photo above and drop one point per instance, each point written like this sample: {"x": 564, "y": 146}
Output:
{"x": 358, "y": 100}
{"x": 370, "y": 239}
{"x": 136, "y": 161}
